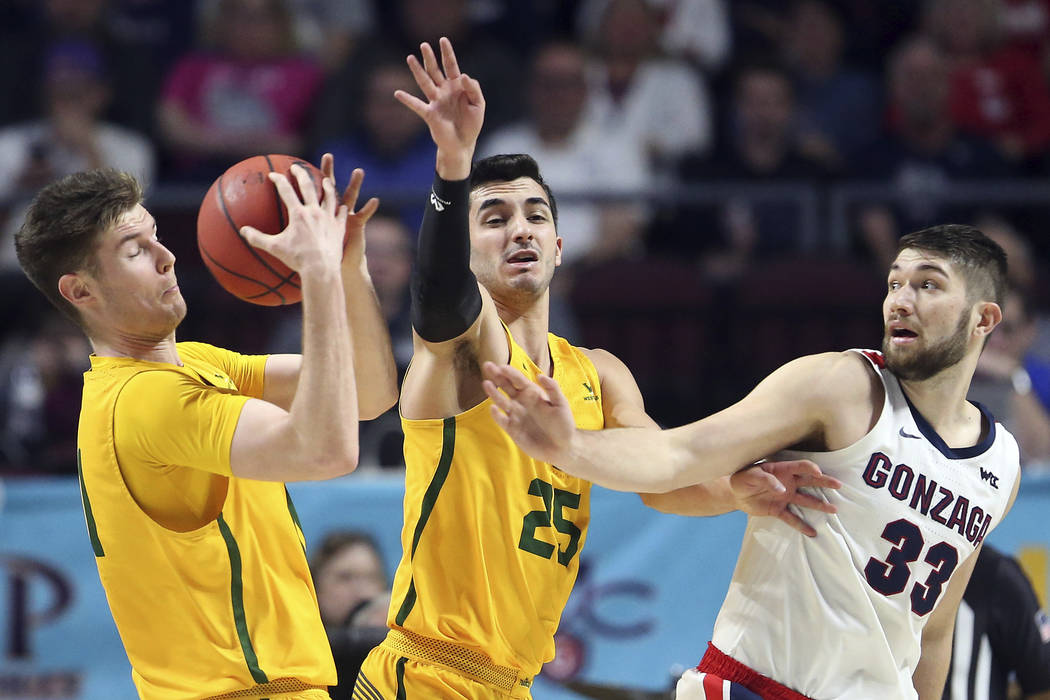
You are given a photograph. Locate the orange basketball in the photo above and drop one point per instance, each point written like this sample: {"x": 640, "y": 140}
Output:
{"x": 244, "y": 196}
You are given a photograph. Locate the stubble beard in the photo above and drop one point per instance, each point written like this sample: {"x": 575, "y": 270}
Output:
{"x": 922, "y": 364}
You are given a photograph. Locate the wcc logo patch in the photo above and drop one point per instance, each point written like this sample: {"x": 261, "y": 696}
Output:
{"x": 990, "y": 478}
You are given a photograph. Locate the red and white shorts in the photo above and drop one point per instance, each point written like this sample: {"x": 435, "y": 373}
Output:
{"x": 721, "y": 677}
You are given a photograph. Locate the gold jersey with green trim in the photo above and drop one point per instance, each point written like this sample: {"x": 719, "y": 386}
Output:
{"x": 205, "y": 573}
{"x": 492, "y": 538}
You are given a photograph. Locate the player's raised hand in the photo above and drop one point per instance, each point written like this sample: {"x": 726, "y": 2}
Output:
{"x": 453, "y": 109}
{"x": 354, "y": 250}
{"x": 768, "y": 488}
{"x": 313, "y": 238}
{"x": 536, "y": 415}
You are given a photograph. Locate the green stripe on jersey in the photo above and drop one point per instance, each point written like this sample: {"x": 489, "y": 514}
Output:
{"x": 96, "y": 543}
{"x": 448, "y": 448}
{"x": 237, "y": 596}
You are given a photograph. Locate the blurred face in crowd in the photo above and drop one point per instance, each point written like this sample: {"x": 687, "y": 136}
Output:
{"x": 964, "y": 26}
{"x": 75, "y": 16}
{"x": 814, "y": 38}
{"x": 558, "y": 90}
{"x": 352, "y": 576}
{"x": 389, "y": 256}
{"x": 390, "y": 126}
{"x": 253, "y": 29}
{"x": 765, "y": 105}
{"x": 74, "y": 93}
{"x": 919, "y": 83}
{"x": 628, "y": 28}
{"x": 1016, "y": 333}
{"x": 426, "y": 19}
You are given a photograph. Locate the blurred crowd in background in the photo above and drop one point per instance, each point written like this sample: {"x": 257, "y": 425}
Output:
{"x": 732, "y": 175}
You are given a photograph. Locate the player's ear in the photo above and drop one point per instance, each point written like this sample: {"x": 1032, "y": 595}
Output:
{"x": 75, "y": 289}
{"x": 557, "y": 251}
{"x": 989, "y": 316}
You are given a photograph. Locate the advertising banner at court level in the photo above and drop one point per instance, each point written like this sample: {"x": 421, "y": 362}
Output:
{"x": 649, "y": 587}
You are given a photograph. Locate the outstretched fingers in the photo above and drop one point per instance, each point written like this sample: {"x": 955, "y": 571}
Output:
{"x": 500, "y": 400}
{"x": 418, "y": 106}
{"x": 329, "y": 201}
{"x": 472, "y": 89}
{"x": 353, "y": 191}
{"x": 550, "y": 391}
{"x": 430, "y": 64}
{"x": 806, "y": 500}
{"x": 257, "y": 239}
{"x": 328, "y": 166}
{"x": 797, "y": 523}
{"x": 804, "y": 472}
{"x": 285, "y": 190}
{"x": 422, "y": 78}
{"x": 448, "y": 58}
{"x": 306, "y": 185}
{"x": 505, "y": 377}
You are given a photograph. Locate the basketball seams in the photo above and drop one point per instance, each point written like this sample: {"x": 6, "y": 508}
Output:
{"x": 221, "y": 194}
{"x": 243, "y": 195}
{"x": 268, "y": 289}
{"x": 277, "y": 196}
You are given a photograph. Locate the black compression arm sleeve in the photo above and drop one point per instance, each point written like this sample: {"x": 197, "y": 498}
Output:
{"x": 445, "y": 296}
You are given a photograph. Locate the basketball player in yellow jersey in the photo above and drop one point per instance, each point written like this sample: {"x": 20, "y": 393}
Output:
{"x": 183, "y": 447}
{"x": 492, "y": 538}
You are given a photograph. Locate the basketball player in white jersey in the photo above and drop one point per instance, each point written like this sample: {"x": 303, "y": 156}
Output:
{"x": 866, "y": 609}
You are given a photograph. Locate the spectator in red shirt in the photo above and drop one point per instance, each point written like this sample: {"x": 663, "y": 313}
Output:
{"x": 249, "y": 93}
{"x": 997, "y": 89}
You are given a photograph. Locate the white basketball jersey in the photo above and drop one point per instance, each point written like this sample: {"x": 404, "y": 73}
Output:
{"x": 840, "y": 615}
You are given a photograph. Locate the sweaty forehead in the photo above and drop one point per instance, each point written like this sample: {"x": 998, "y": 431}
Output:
{"x": 518, "y": 191}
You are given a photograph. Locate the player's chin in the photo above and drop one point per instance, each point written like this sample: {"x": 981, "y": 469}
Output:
{"x": 178, "y": 310}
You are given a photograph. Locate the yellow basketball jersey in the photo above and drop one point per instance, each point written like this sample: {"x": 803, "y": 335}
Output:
{"x": 227, "y": 607}
{"x": 492, "y": 538}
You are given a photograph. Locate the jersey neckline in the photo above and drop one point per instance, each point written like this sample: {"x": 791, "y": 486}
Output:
{"x": 931, "y": 435}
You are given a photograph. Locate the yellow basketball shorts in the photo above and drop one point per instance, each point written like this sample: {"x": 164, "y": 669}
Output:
{"x": 388, "y": 675}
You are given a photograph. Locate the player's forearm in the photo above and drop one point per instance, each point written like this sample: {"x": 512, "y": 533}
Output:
{"x": 932, "y": 669}
{"x": 445, "y": 296}
{"x": 713, "y": 498}
{"x": 375, "y": 372}
{"x": 658, "y": 461}
{"x": 639, "y": 459}
{"x": 324, "y": 412}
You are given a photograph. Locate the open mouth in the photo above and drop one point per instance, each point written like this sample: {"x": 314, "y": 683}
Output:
{"x": 523, "y": 257}
{"x": 902, "y": 336}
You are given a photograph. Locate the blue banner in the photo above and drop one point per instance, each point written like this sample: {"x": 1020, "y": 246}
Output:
{"x": 650, "y": 584}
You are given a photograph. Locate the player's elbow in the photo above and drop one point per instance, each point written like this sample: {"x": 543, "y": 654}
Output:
{"x": 378, "y": 405}
{"x": 336, "y": 464}
{"x": 335, "y": 457}
{"x": 656, "y": 501}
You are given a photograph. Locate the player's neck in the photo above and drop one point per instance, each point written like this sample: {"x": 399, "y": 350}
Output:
{"x": 941, "y": 400}
{"x": 529, "y": 325}
{"x": 147, "y": 349}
